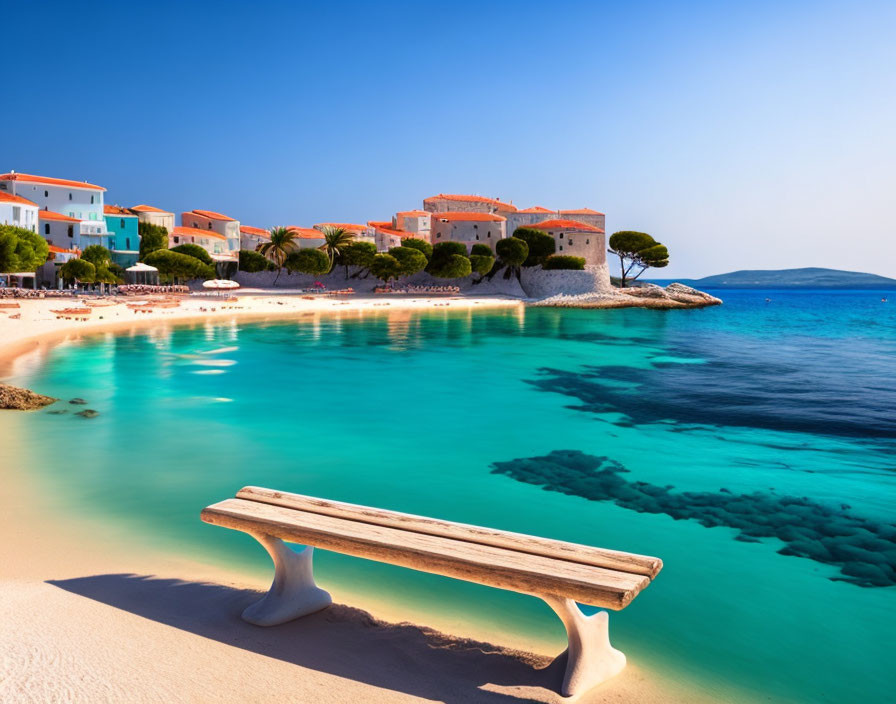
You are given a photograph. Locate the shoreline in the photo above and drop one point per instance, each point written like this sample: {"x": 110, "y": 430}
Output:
{"x": 54, "y": 556}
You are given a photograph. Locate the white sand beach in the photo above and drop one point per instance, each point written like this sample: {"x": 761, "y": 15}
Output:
{"x": 91, "y": 615}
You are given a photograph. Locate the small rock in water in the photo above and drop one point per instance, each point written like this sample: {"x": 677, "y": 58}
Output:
{"x": 18, "y": 399}
{"x": 78, "y": 401}
{"x": 58, "y": 411}
{"x": 88, "y": 413}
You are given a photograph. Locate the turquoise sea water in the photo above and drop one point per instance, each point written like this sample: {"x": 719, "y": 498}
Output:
{"x": 750, "y": 446}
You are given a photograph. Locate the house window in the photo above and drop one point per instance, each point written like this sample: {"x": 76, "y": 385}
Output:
{"x": 209, "y": 226}
{"x": 127, "y": 242}
{"x": 91, "y": 200}
{"x": 47, "y": 228}
{"x": 477, "y": 237}
{"x": 122, "y": 223}
{"x": 561, "y": 247}
{"x": 438, "y": 235}
{"x": 71, "y": 231}
{"x": 16, "y": 213}
{"x": 69, "y": 196}
{"x": 46, "y": 194}
{"x": 176, "y": 240}
{"x": 587, "y": 241}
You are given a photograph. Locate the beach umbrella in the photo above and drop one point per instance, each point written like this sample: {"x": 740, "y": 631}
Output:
{"x": 220, "y": 284}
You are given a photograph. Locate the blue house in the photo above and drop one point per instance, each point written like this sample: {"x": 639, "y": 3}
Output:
{"x": 124, "y": 236}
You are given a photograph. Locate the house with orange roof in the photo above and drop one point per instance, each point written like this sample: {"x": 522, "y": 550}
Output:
{"x": 360, "y": 233}
{"x": 219, "y": 223}
{"x": 385, "y": 235}
{"x": 307, "y": 237}
{"x": 468, "y": 227}
{"x": 78, "y": 201}
{"x": 587, "y": 216}
{"x": 252, "y": 238}
{"x": 18, "y": 211}
{"x": 212, "y": 242}
{"x": 417, "y": 222}
{"x": 153, "y": 216}
{"x": 576, "y": 239}
{"x": 448, "y": 202}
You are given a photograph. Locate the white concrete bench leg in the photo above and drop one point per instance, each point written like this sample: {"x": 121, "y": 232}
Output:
{"x": 591, "y": 658}
{"x": 293, "y": 592}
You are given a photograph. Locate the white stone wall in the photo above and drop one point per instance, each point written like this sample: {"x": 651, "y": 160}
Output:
{"x": 18, "y": 215}
{"x": 166, "y": 220}
{"x": 469, "y": 232}
{"x": 538, "y": 283}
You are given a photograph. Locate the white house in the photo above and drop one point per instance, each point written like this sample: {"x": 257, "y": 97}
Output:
{"x": 215, "y": 222}
{"x": 77, "y": 200}
{"x": 18, "y": 211}
{"x": 253, "y": 237}
{"x": 154, "y": 216}
{"x": 60, "y": 230}
{"x": 212, "y": 242}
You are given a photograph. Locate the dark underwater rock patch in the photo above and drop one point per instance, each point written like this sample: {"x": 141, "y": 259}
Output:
{"x": 88, "y": 413}
{"x": 862, "y": 549}
{"x": 759, "y": 388}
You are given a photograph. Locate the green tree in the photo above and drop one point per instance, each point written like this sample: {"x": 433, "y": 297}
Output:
{"x": 195, "y": 251}
{"x": 101, "y": 258}
{"x": 417, "y": 243}
{"x": 174, "y": 266}
{"x": 512, "y": 252}
{"x": 359, "y": 254}
{"x": 482, "y": 264}
{"x": 410, "y": 259}
{"x": 454, "y": 266}
{"x": 541, "y": 244}
{"x": 335, "y": 240}
{"x": 308, "y": 261}
{"x": 252, "y": 261}
{"x": 152, "y": 237}
{"x": 21, "y": 250}
{"x": 637, "y": 250}
{"x": 441, "y": 251}
{"x": 385, "y": 267}
{"x": 78, "y": 270}
{"x": 564, "y": 261}
{"x": 278, "y": 248}
{"x": 482, "y": 250}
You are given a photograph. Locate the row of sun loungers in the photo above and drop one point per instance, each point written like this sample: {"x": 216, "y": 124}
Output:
{"x": 425, "y": 290}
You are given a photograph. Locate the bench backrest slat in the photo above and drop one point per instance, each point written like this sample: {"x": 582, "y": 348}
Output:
{"x": 473, "y": 562}
{"x": 545, "y": 547}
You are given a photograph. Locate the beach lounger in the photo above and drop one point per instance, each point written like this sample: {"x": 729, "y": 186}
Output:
{"x": 558, "y": 572}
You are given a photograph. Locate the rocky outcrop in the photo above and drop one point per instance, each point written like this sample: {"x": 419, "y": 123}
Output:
{"x": 644, "y": 296}
{"x": 14, "y": 398}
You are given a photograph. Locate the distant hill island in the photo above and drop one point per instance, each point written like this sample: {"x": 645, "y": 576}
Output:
{"x": 795, "y": 278}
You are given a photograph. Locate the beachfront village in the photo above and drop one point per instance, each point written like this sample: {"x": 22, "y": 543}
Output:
{"x": 74, "y": 215}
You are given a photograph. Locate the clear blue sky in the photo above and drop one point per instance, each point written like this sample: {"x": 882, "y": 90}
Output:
{"x": 748, "y": 135}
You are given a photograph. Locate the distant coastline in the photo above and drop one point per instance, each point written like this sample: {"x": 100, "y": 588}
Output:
{"x": 807, "y": 278}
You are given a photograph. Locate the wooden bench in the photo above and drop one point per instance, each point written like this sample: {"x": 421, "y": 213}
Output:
{"x": 560, "y": 573}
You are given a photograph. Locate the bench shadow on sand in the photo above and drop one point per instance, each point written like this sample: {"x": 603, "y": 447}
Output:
{"x": 339, "y": 640}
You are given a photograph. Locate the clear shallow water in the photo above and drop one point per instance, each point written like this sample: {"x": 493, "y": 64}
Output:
{"x": 715, "y": 439}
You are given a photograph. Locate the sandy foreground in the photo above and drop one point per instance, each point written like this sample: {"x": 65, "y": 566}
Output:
{"x": 90, "y": 615}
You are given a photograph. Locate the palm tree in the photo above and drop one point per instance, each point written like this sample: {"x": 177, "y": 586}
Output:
{"x": 276, "y": 249}
{"x": 335, "y": 239}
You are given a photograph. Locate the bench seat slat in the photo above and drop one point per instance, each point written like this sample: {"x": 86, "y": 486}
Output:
{"x": 584, "y": 554}
{"x": 484, "y": 564}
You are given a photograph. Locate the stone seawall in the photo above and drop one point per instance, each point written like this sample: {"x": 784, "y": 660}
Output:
{"x": 535, "y": 282}
{"x": 538, "y": 283}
